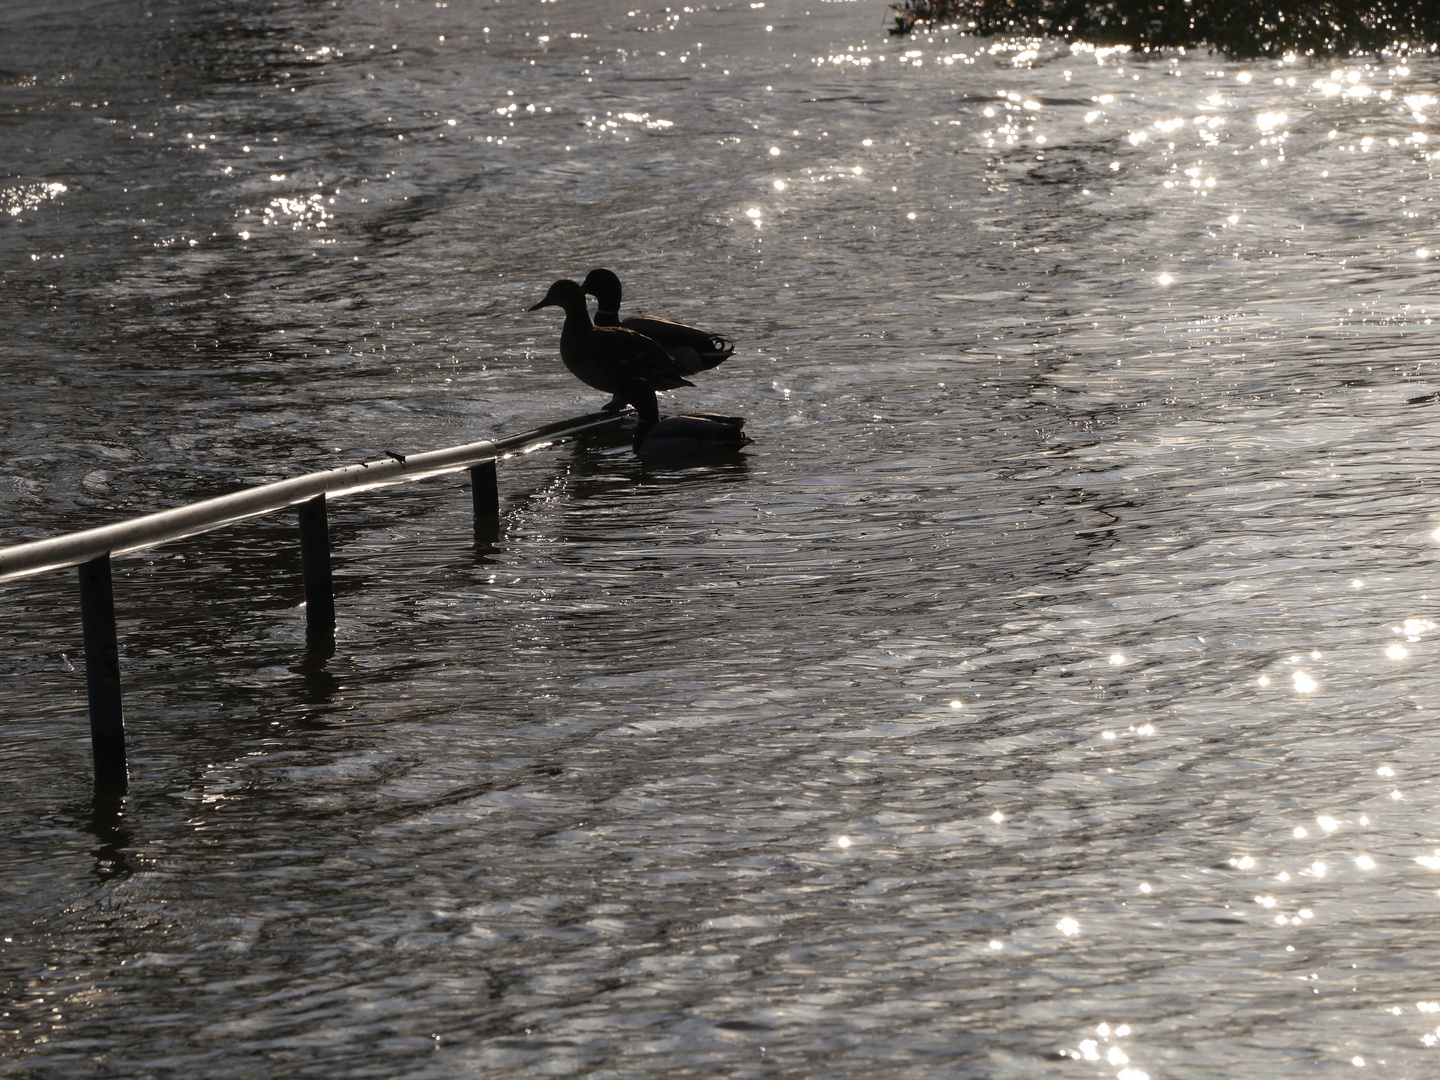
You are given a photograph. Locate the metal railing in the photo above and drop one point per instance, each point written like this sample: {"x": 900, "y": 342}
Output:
{"x": 92, "y": 549}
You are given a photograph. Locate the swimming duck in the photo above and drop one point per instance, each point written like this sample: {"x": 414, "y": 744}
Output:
{"x": 605, "y": 357}
{"x": 694, "y": 350}
{"x": 688, "y": 436}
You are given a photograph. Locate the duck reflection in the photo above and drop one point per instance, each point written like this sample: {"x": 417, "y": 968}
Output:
{"x": 606, "y": 457}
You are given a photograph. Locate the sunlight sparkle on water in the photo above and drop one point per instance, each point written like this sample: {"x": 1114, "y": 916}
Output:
{"x": 17, "y": 200}
{"x": 1089, "y": 1050}
{"x": 1220, "y": 337}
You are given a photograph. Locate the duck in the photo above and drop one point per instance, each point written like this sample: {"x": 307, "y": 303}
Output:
{"x": 693, "y": 349}
{"x": 690, "y": 435}
{"x": 606, "y": 357}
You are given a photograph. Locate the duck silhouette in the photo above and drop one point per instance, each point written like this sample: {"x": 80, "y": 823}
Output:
{"x": 606, "y": 357}
{"x": 690, "y": 435}
{"x": 693, "y": 349}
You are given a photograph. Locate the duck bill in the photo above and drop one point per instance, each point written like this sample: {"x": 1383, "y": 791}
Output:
{"x": 538, "y": 306}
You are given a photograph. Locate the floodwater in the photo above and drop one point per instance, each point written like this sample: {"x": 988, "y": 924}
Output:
{"x": 1048, "y": 690}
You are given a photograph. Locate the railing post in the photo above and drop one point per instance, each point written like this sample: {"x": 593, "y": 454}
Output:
{"x": 485, "y": 495}
{"x": 315, "y": 567}
{"x": 102, "y": 675}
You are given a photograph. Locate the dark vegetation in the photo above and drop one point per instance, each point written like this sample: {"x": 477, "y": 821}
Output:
{"x": 1240, "y": 28}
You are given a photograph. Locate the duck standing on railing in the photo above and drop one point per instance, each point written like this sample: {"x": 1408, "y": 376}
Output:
{"x": 606, "y": 356}
{"x": 693, "y": 349}
{"x": 693, "y": 435}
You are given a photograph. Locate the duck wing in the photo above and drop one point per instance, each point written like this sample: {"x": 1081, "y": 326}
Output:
{"x": 693, "y": 349}
{"x": 606, "y": 357}
{"x": 736, "y": 422}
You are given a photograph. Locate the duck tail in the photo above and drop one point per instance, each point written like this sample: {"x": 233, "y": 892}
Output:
{"x": 720, "y": 350}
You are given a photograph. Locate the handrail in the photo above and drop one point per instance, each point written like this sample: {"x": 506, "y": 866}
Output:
{"x": 92, "y": 548}
{"x": 39, "y": 556}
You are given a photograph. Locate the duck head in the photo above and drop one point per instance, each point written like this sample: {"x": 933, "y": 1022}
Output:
{"x": 605, "y": 287}
{"x": 563, "y": 294}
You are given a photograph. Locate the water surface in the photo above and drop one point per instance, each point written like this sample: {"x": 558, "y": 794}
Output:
{"x": 1047, "y": 690}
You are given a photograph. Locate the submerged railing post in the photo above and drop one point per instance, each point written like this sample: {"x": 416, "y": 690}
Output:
{"x": 315, "y": 567}
{"x": 485, "y": 495}
{"x": 102, "y": 675}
